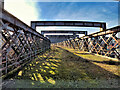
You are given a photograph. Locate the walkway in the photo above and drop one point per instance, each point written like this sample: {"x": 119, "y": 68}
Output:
{"x": 67, "y": 68}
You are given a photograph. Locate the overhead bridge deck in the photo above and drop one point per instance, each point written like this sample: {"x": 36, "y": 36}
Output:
{"x": 63, "y": 31}
{"x": 102, "y": 25}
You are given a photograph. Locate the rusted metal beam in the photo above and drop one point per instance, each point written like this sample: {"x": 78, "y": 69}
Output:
{"x": 1, "y": 4}
{"x": 105, "y": 43}
{"x": 19, "y": 43}
{"x": 63, "y": 31}
{"x": 108, "y": 31}
{"x": 14, "y": 21}
{"x": 34, "y": 24}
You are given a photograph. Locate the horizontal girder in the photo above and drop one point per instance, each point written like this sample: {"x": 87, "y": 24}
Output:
{"x": 68, "y": 23}
{"x": 61, "y": 31}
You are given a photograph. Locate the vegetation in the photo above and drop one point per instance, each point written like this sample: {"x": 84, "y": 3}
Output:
{"x": 60, "y": 68}
{"x": 111, "y": 65}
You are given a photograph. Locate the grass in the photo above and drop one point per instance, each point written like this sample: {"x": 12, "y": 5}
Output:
{"x": 60, "y": 68}
{"x": 108, "y": 64}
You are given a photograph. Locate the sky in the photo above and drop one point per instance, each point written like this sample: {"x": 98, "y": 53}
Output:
{"x": 74, "y": 10}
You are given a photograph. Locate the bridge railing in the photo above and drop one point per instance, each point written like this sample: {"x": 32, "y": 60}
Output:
{"x": 20, "y": 43}
{"x": 106, "y": 43}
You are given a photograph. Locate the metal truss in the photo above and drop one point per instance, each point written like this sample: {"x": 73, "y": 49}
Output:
{"x": 104, "y": 43}
{"x": 20, "y": 43}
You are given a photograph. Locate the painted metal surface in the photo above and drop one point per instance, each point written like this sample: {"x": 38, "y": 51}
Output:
{"x": 20, "y": 43}
{"x": 105, "y": 43}
{"x": 34, "y": 24}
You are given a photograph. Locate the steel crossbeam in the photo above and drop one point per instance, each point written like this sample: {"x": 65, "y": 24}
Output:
{"x": 102, "y": 25}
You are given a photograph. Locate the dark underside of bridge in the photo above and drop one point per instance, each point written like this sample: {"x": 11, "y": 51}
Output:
{"x": 59, "y": 38}
{"x": 62, "y": 35}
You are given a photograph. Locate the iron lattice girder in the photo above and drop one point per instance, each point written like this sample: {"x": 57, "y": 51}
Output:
{"x": 14, "y": 21}
{"x": 103, "y": 43}
{"x": 68, "y": 23}
{"x": 20, "y": 43}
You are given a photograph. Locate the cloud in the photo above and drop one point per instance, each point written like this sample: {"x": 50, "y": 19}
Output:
{"x": 97, "y": 14}
{"x": 23, "y": 9}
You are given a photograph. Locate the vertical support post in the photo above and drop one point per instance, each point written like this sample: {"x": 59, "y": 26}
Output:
{"x": 35, "y": 45}
{"x": 86, "y": 33}
{"x": 76, "y": 43}
{"x": 74, "y": 35}
{"x": 33, "y": 25}
{"x": 119, "y": 38}
{"x": 66, "y": 44}
{"x": 69, "y": 44}
{"x": 89, "y": 45}
{"x": 6, "y": 65}
{"x": 40, "y": 46}
{"x": 86, "y": 44}
{"x": 119, "y": 24}
{"x": 31, "y": 48}
{"x": 1, "y": 6}
{"x": 101, "y": 29}
{"x": 43, "y": 45}
{"x": 72, "y": 44}
{"x": 105, "y": 46}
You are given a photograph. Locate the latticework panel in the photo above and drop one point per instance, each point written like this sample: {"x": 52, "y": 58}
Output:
{"x": 19, "y": 46}
{"x": 105, "y": 43}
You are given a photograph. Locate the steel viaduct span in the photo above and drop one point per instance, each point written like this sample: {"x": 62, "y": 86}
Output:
{"x": 59, "y": 38}
{"x": 22, "y": 44}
